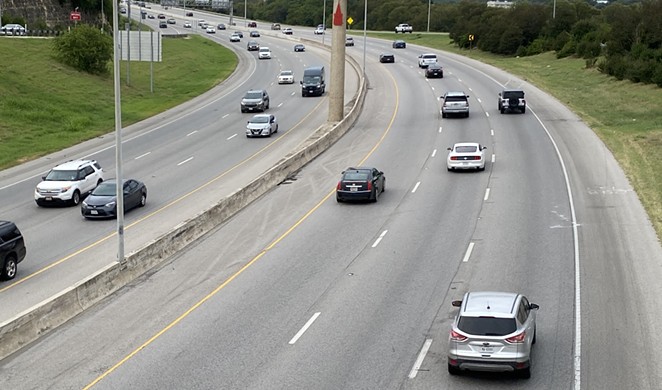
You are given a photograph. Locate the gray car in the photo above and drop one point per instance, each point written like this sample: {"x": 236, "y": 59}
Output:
{"x": 455, "y": 103}
{"x": 493, "y": 331}
{"x": 255, "y": 100}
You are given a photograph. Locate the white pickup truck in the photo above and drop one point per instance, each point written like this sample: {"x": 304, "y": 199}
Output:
{"x": 404, "y": 28}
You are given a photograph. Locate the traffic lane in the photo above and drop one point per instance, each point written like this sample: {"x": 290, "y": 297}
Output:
{"x": 103, "y": 334}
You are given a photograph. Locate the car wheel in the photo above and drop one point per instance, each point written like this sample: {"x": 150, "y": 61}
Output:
{"x": 502, "y": 110}
{"x": 534, "y": 337}
{"x": 466, "y": 115}
{"x": 375, "y": 196}
{"x": 384, "y": 185}
{"x": 338, "y": 199}
{"x": 524, "y": 373}
{"x": 523, "y": 110}
{"x": 276, "y": 129}
{"x": 143, "y": 200}
{"x": 443, "y": 115}
{"x": 453, "y": 370}
{"x": 75, "y": 199}
{"x": 99, "y": 182}
{"x": 9, "y": 268}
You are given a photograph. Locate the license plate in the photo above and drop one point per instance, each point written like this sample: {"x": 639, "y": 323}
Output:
{"x": 465, "y": 163}
{"x": 486, "y": 349}
{"x": 353, "y": 189}
{"x": 94, "y": 212}
{"x": 48, "y": 198}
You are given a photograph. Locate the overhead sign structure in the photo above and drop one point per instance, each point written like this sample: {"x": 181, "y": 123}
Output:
{"x": 74, "y": 15}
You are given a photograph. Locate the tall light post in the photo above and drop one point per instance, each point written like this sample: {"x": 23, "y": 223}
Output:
{"x": 365, "y": 31}
{"x": 554, "y": 11}
{"x": 323, "y": 21}
{"x": 429, "y": 6}
{"x": 245, "y": 16}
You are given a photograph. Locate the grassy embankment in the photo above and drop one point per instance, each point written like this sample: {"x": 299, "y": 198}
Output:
{"x": 46, "y": 106}
{"x": 626, "y": 116}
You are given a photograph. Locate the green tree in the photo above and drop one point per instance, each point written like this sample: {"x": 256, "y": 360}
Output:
{"x": 85, "y": 48}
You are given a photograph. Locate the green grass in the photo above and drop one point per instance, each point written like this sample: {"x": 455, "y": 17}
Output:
{"x": 46, "y": 106}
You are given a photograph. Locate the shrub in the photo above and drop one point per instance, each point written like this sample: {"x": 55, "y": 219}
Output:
{"x": 85, "y": 48}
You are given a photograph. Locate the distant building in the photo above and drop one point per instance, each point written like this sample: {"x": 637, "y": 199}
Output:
{"x": 500, "y": 4}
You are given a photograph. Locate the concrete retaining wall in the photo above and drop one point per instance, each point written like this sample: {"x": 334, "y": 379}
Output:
{"x": 55, "y": 311}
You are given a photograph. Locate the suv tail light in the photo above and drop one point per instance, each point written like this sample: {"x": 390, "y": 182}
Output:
{"x": 369, "y": 186}
{"x": 339, "y": 186}
{"x": 517, "y": 339}
{"x": 456, "y": 336}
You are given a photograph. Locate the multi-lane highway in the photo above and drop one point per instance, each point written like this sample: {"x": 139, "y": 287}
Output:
{"x": 299, "y": 292}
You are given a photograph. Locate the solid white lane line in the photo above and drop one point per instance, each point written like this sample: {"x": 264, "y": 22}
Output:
{"x": 232, "y": 136}
{"x": 434, "y": 152}
{"x": 191, "y": 133}
{"x": 416, "y": 187}
{"x": 379, "y": 238}
{"x": 487, "y": 194}
{"x": 225, "y": 116}
{"x": 142, "y": 155}
{"x": 305, "y": 328}
{"x": 467, "y": 255}
{"x": 185, "y": 161}
{"x": 493, "y": 158}
{"x": 420, "y": 358}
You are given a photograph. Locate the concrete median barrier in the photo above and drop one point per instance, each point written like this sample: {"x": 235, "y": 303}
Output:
{"x": 37, "y": 321}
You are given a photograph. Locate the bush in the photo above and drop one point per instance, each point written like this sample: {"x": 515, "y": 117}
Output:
{"x": 569, "y": 49}
{"x": 85, "y": 48}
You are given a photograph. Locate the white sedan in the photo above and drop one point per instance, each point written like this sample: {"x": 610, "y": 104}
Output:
{"x": 264, "y": 53}
{"x": 261, "y": 125}
{"x": 286, "y": 77}
{"x": 211, "y": 30}
{"x": 466, "y": 155}
{"x": 187, "y": 25}
{"x": 235, "y": 38}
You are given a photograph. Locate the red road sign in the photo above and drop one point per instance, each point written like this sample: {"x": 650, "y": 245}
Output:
{"x": 338, "y": 19}
{"x": 74, "y": 15}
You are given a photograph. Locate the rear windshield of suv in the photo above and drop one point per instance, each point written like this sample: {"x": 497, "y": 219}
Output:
{"x": 456, "y": 98}
{"x": 487, "y": 326}
{"x": 513, "y": 94}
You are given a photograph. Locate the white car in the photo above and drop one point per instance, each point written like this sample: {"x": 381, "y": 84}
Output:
{"x": 261, "y": 125}
{"x": 426, "y": 59}
{"x": 466, "y": 155}
{"x": 235, "y": 38}
{"x": 288, "y": 31}
{"x": 319, "y": 31}
{"x": 286, "y": 77}
{"x": 211, "y": 30}
{"x": 68, "y": 182}
{"x": 264, "y": 53}
{"x": 187, "y": 25}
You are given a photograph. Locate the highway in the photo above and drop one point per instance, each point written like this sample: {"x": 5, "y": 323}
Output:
{"x": 300, "y": 292}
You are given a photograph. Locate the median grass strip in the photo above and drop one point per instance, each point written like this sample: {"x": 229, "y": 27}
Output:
{"x": 626, "y": 116}
{"x": 46, "y": 106}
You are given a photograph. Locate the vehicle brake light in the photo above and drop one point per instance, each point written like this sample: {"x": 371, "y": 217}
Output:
{"x": 517, "y": 339}
{"x": 369, "y": 186}
{"x": 456, "y": 336}
{"x": 339, "y": 186}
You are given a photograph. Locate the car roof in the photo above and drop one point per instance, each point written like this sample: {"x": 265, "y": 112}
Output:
{"x": 465, "y": 144}
{"x": 513, "y": 90}
{"x": 490, "y": 304}
{"x": 361, "y": 168}
{"x": 73, "y": 164}
{"x": 261, "y": 116}
{"x": 455, "y": 93}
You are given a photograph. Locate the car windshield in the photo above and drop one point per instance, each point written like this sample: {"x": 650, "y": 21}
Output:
{"x": 429, "y": 56}
{"x": 105, "y": 189}
{"x": 264, "y": 49}
{"x": 286, "y": 73}
{"x": 487, "y": 326}
{"x": 253, "y": 95}
{"x": 56, "y": 175}
{"x": 465, "y": 149}
{"x": 356, "y": 175}
{"x": 513, "y": 94}
{"x": 260, "y": 119}
{"x": 456, "y": 99}
{"x": 311, "y": 79}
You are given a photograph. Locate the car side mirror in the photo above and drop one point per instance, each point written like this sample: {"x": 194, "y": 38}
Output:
{"x": 456, "y": 303}
{"x": 483, "y": 148}
{"x": 499, "y": 93}
{"x": 301, "y": 82}
{"x": 534, "y": 306}
{"x": 449, "y": 148}
{"x": 381, "y": 172}
{"x": 43, "y": 177}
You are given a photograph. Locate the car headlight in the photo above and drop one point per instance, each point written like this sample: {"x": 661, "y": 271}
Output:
{"x": 84, "y": 204}
{"x": 65, "y": 189}
{"x": 110, "y": 204}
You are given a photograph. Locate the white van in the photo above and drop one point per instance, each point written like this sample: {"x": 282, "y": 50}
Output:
{"x": 426, "y": 59}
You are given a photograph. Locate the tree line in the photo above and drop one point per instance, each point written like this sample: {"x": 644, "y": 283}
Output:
{"x": 623, "y": 39}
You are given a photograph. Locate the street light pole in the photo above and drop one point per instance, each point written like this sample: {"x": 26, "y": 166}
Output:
{"x": 429, "y": 6}
{"x": 323, "y": 21}
{"x": 365, "y": 31}
{"x": 245, "y": 16}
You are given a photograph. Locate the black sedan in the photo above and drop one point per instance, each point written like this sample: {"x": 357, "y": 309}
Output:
{"x": 399, "y": 44}
{"x": 386, "y": 57}
{"x": 299, "y": 47}
{"x": 434, "y": 70}
{"x": 360, "y": 183}
{"x": 102, "y": 202}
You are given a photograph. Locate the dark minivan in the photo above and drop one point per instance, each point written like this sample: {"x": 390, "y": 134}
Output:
{"x": 313, "y": 81}
{"x": 12, "y": 249}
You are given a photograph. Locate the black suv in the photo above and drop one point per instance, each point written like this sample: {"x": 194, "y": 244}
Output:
{"x": 12, "y": 249}
{"x": 255, "y": 100}
{"x": 512, "y": 100}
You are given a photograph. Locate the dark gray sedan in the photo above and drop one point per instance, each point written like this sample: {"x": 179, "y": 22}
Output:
{"x": 102, "y": 202}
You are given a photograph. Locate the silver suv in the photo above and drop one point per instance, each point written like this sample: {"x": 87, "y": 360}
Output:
{"x": 493, "y": 331}
{"x": 255, "y": 100}
{"x": 455, "y": 102}
{"x": 68, "y": 182}
{"x": 512, "y": 100}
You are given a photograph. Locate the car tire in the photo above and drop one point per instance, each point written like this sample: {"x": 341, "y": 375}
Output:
{"x": 338, "y": 199}
{"x": 534, "y": 336}
{"x": 9, "y": 268}
{"x": 453, "y": 370}
{"x": 443, "y": 115}
{"x": 481, "y": 168}
{"x": 143, "y": 200}
{"x": 276, "y": 129}
{"x": 466, "y": 115}
{"x": 75, "y": 198}
{"x": 524, "y": 373}
{"x": 523, "y": 110}
{"x": 502, "y": 110}
{"x": 375, "y": 196}
{"x": 384, "y": 185}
